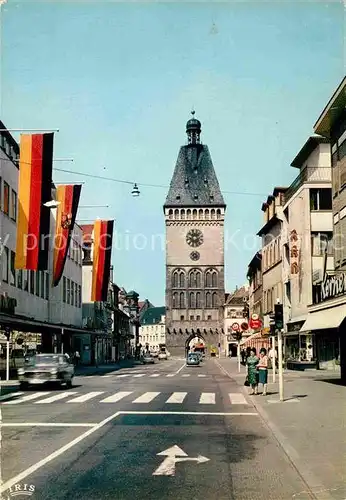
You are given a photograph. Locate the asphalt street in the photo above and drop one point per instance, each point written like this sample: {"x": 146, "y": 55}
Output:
{"x": 163, "y": 431}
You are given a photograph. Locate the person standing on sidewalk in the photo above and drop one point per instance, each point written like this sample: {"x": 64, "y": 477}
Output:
{"x": 251, "y": 363}
{"x": 263, "y": 370}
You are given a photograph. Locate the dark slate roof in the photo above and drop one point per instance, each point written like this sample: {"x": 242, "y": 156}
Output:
{"x": 153, "y": 315}
{"x": 194, "y": 175}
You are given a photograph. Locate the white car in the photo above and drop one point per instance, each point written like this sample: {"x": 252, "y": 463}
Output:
{"x": 162, "y": 355}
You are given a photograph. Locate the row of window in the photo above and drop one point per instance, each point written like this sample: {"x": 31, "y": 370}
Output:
{"x": 194, "y": 279}
{"x": 152, "y": 338}
{"x": 71, "y": 292}
{"x": 195, "y": 318}
{"x": 194, "y": 300}
{"x": 8, "y": 147}
{"x": 8, "y": 200}
{"x": 194, "y": 214}
{"x": 75, "y": 252}
{"x": 34, "y": 282}
{"x": 156, "y": 327}
{"x": 270, "y": 297}
{"x": 37, "y": 282}
{"x": 271, "y": 254}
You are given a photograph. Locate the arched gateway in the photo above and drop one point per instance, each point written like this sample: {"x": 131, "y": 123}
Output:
{"x": 194, "y": 214}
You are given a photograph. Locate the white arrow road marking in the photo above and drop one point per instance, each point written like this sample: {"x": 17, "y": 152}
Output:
{"x": 173, "y": 456}
{"x": 174, "y": 451}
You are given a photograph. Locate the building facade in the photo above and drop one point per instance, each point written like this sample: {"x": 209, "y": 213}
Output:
{"x": 236, "y": 316}
{"x": 272, "y": 252}
{"x": 194, "y": 216}
{"x": 307, "y": 233}
{"x": 42, "y": 316}
{"x": 326, "y": 319}
{"x": 152, "y": 332}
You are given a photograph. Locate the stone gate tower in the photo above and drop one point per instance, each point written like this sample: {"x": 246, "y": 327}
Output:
{"x": 194, "y": 214}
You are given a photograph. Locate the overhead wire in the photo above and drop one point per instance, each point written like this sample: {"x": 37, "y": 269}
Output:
{"x": 112, "y": 179}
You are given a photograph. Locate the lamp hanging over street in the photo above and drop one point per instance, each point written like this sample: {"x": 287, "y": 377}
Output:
{"x": 135, "y": 191}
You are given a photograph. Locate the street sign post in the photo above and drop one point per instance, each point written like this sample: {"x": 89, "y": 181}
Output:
{"x": 8, "y": 334}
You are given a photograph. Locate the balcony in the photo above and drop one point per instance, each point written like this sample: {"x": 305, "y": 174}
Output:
{"x": 309, "y": 175}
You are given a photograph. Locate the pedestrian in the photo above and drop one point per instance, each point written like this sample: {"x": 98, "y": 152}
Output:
{"x": 252, "y": 362}
{"x": 263, "y": 370}
{"x": 77, "y": 357}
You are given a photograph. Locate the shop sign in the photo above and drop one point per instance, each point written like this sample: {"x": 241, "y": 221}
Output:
{"x": 333, "y": 285}
{"x": 294, "y": 252}
{"x": 7, "y": 304}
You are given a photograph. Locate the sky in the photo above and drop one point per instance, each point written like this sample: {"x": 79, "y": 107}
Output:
{"x": 119, "y": 81}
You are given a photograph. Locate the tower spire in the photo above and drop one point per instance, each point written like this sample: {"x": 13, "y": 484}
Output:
{"x": 193, "y": 129}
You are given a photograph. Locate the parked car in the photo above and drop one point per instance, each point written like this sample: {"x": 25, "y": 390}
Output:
{"x": 46, "y": 368}
{"x": 162, "y": 355}
{"x": 147, "y": 359}
{"x": 192, "y": 359}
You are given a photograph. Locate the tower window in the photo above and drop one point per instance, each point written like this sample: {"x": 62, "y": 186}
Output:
{"x": 182, "y": 318}
{"x": 178, "y": 197}
{"x": 211, "y": 197}
{"x": 195, "y": 197}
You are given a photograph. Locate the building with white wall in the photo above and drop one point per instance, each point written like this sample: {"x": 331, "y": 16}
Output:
{"x": 236, "y": 318}
{"x": 152, "y": 332}
{"x": 30, "y": 306}
{"x": 306, "y": 233}
{"x": 272, "y": 252}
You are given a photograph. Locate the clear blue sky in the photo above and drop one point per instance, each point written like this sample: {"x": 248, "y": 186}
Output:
{"x": 119, "y": 81}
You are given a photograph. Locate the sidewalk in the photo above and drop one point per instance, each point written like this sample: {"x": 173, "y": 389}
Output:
{"x": 309, "y": 425}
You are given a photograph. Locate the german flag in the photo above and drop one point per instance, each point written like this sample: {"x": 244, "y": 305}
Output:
{"x": 103, "y": 237}
{"x": 35, "y": 183}
{"x": 68, "y": 196}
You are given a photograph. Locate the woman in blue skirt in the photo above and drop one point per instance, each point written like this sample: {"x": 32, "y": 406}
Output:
{"x": 262, "y": 368}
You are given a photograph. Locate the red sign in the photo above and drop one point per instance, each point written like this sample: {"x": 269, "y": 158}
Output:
{"x": 255, "y": 322}
{"x": 244, "y": 326}
{"x": 235, "y": 327}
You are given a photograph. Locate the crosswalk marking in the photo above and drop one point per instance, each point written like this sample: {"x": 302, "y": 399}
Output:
{"x": 116, "y": 397}
{"x": 123, "y": 375}
{"x": 139, "y": 375}
{"x": 237, "y": 399}
{"x": 201, "y": 375}
{"x": 155, "y": 375}
{"x": 186, "y": 375}
{"x": 146, "y": 397}
{"x": 106, "y": 376}
{"x": 85, "y": 397}
{"x": 171, "y": 375}
{"x": 57, "y": 397}
{"x": 207, "y": 398}
{"x": 177, "y": 397}
{"x": 28, "y": 397}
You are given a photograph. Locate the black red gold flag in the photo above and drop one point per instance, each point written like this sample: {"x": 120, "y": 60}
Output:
{"x": 34, "y": 190}
{"x": 102, "y": 250}
{"x": 68, "y": 196}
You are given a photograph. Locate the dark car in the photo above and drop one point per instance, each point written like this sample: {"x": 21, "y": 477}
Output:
{"x": 192, "y": 359}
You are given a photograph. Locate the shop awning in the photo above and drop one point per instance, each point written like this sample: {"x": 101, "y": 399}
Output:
{"x": 324, "y": 319}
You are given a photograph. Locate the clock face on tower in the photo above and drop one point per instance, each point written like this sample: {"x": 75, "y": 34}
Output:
{"x": 194, "y": 238}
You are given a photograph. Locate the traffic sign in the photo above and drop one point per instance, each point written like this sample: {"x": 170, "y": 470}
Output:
{"x": 235, "y": 327}
{"x": 244, "y": 326}
{"x": 255, "y": 322}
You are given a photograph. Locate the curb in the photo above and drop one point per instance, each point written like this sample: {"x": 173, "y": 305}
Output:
{"x": 315, "y": 487}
